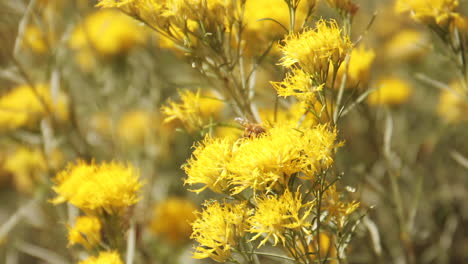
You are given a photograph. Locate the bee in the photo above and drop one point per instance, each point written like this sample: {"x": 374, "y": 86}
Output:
{"x": 251, "y": 130}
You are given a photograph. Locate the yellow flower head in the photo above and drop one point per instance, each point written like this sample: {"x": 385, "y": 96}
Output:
{"x": 453, "y": 104}
{"x": 106, "y": 33}
{"x": 338, "y": 210}
{"x": 360, "y": 66}
{"x": 24, "y": 105}
{"x": 208, "y": 164}
{"x": 172, "y": 218}
{"x": 315, "y": 49}
{"x": 35, "y": 39}
{"x": 135, "y": 127}
{"x": 26, "y": 165}
{"x": 298, "y": 84}
{"x": 390, "y": 92}
{"x": 86, "y": 231}
{"x": 218, "y": 228}
{"x": 109, "y": 187}
{"x": 276, "y": 214}
{"x": 194, "y": 111}
{"x": 263, "y": 162}
{"x": 105, "y": 257}
{"x": 429, "y": 11}
{"x": 406, "y": 44}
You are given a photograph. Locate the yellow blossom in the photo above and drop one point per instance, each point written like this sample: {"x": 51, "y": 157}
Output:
{"x": 359, "y": 67}
{"x": 338, "y": 210}
{"x": 406, "y": 44}
{"x": 194, "y": 110}
{"x": 35, "y": 39}
{"x": 24, "y": 105}
{"x": 107, "y": 33}
{"x": 105, "y": 257}
{"x": 275, "y": 215}
{"x": 315, "y": 49}
{"x": 172, "y": 218}
{"x": 296, "y": 114}
{"x": 135, "y": 127}
{"x": 86, "y": 231}
{"x": 218, "y": 229}
{"x": 208, "y": 164}
{"x": 391, "y": 91}
{"x": 428, "y": 11}
{"x": 453, "y": 104}
{"x": 26, "y": 166}
{"x": 109, "y": 187}
{"x": 263, "y": 162}
{"x": 298, "y": 84}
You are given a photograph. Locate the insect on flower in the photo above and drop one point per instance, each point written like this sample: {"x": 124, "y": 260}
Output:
{"x": 251, "y": 130}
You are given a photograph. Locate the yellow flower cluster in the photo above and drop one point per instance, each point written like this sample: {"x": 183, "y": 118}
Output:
{"x": 359, "y": 67}
{"x": 105, "y": 257}
{"x": 26, "y": 166}
{"x": 298, "y": 84}
{"x": 390, "y": 91}
{"x": 314, "y": 50}
{"x": 262, "y": 162}
{"x": 218, "y": 229}
{"x": 440, "y": 12}
{"x": 86, "y": 231}
{"x": 25, "y": 105}
{"x": 106, "y": 33}
{"x": 171, "y": 219}
{"x": 338, "y": 210}
{"x": 135, "y": 127}
{"x": 453, "y": 104}
{"x": 194, "y": 111}
{"x": 274, "y": 215}
{"x": 108, "y": 187}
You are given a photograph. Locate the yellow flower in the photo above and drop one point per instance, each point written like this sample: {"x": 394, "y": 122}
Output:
{"x": 22, "y": 106}
{"x": 263, "y": 162}
{"x": 406, "y": 44}
{"x": 135, "y": 127}
{"x": 26, "y": 165}
{"x": 453, "y": 104}
{"x": 105, "y": 257}
{"x": 315, "y": 49}
{"x": 298, "y": 84}
{"x": 360, "y": 65}
{"x": 194, "y": 111}
{"x": 86, "y": 231}
{"x": 218, "y": 229}
{"x": 275, "y": 215}
{"x": 172, "y": 218}
{"x": 107, "y": 33}
{"x": 208, "y": 164}
{"x": 109, "y": 187}
{"x": 35, "y": 39}
{"x": 338, "y": 210}
{"x": 428, "y": 11}
{"x": 390, "y": 91}
{"x": 296, "y": 114}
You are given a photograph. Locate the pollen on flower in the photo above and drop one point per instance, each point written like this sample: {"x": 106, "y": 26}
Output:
{"x": 109, "y": 187}
{"x": 86, "y": 231}
{"x": 218, "y": 228}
